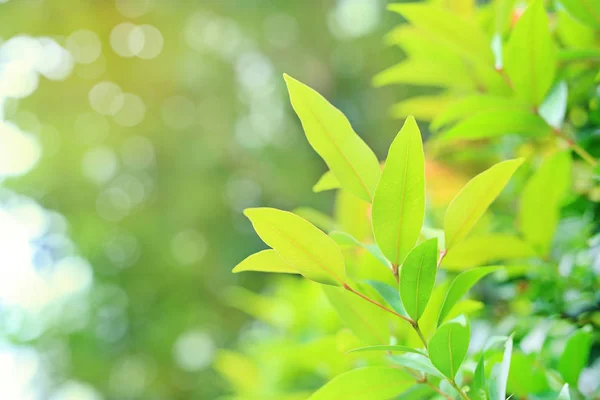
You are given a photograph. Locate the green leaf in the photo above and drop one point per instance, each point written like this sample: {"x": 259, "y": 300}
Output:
{"x": 422, "y": 107}
{"x": 478, "y": 386}
{"x": 450, "y": 29}
{"x": 345, "y": 239}
{"x": 586, "y": 11}
{"x": 531, "y": 56}
{"x": 329, "y": 132}
{"x": 541, "y": 199}
{"x": 300, "y": 244}
{"x": 573, "y": 35}
{"x": 417, "y": 278}
{"x": 368, "y": 322}
{"x": 424, "y": 73}
{"x": 501, "y": 375}
{"x": 564, "y": 393}
{"x": 473, "y": 104}
{"x": 390, "y": 295}
{"x": 527, "y": 375}
{"x": 327, "y": 181}
{"x": 473, "y": 200}
{"x": 264, "y": 261}
{"x": 496, "y": 123}
{"x": 416, "y": 362}
{"x": 460, "y": 286}
{"x": 575, "y": 355}
{"x": 448, "y": 346}
{"x": 404, "y": 349}
{"x": 399, "y": 202}
{"x": 366, "y": 384}
{"x": 481, "y": 250}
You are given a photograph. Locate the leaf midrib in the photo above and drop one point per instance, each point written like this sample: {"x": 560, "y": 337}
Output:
{"x": 403, "y": 197}
{"x": 418, "y": 286}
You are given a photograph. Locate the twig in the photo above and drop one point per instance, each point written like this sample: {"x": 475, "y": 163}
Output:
{"x": 410, "y": 321}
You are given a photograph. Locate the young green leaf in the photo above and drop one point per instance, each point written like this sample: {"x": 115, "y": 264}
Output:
{"x": 366, "y": 384}
{"x": 474, "y": 104}
{"x": 399, "y": 202}
{"x": 417, "y": 278}
{"x": 460, "y": 286}
{"x": 448, "y": 28}
{"x": 478, "y": 386}
{"x": 327, "y": 181}
{"x": 368, "y": 322}
{"x": 531, "y": 56}
{"x": 448, "y": 346}
{"x": 495, "y": 123}
{"x": 329, "y": 132}
{"x": 300, "y": 244}
{"x": 417, "y": 362}
{"x": 481, "y": 250}
{"x": 473, "y": 200}
{"x": 345, "y": 239}
{"x": 586, "y": 11}
{"x": 540, "y": 201}
{"x": 422, "y": 107}
{"x": 564, "y": 393}
{"x": 264, "y": 261}
{"x": 390, "y": 295}
{"x": 392, "y": 348}
{"x": 425, "y": 73}
{"x": 575, "y": 356}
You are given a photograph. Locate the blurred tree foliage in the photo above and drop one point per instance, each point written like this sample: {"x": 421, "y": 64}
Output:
{"x": 156, "y": 207}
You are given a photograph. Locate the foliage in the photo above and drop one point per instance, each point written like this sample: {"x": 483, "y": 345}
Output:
{"x": 396, "y": 267}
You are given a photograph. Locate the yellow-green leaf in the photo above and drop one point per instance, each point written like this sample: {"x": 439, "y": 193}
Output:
{"x": 418, "y": 277}
{"x": 541, "y": 198}
{"x": 367, "y": 383}
{"x": 460, "y": 33}
{"x": 448, "y": 346}
{"x": 481, "y": 250}
{"x": 495, "y": 123}
{"x": 474, "y": 104}
{"x": 474, "y": 199}
{"x": 531, "y": 55}
{"x": 425, "y": 73}
{"x": 300, "y": 244}
{"x": 460, "y": 286}
{"x": 399, "y": 202}
{"x": 422, "y": 107}
{"x": 329, "y": 132}
{"x": 265, "y": 261}
{"x": 327, "y": 181}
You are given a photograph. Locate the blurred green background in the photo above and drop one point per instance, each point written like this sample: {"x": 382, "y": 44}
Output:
{"x": 132, "y": 135}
